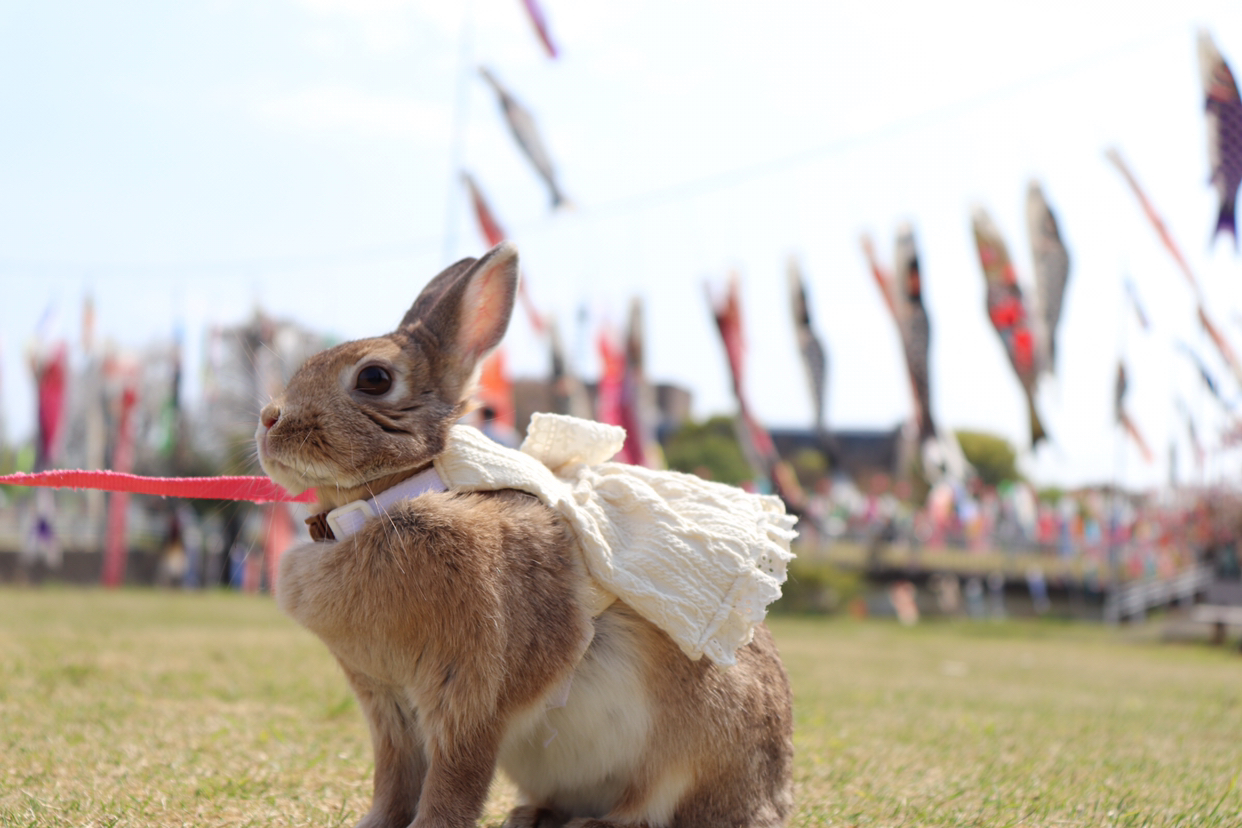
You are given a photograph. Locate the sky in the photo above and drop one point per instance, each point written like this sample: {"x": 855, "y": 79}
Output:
{"x": 185, "y": 163}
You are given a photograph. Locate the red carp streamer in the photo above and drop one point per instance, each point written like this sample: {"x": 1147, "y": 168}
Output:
{"x": 1153, "y": 216}
{"x": 883, "y": 279}
{"x": 1166, "y": 238}
{"x": 494, "y": 234}
{"x": 253, "y": 489}
{"x": 1137, "y": 436}
{"x": 540, "y": 21}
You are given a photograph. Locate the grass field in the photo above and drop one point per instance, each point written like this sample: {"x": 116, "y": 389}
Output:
{"x": 152, "y": 709}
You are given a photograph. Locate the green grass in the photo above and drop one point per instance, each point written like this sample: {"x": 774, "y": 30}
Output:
{"x": 150, "y": 709}
{"x": 1011, "y": 724}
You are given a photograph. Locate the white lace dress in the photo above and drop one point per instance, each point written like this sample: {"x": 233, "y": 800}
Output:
{"x": 700, "y": 560}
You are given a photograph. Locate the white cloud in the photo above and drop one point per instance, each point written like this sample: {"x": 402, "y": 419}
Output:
{"x": 344, "y": 110}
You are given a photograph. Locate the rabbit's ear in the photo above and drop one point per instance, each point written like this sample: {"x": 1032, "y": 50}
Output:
{"x": 471, "y": 315}
{"x": 435, "y": 289}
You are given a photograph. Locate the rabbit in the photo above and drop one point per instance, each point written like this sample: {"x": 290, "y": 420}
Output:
{"x": 459, "y": 619}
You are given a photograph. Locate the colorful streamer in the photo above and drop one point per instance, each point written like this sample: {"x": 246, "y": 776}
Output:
{"x": 1052, "y": 265}
{"x": 883, "y": 279}
{"x": 494, "y": 234}
{"x": 1123, "y": 418}
{"x": 755, "y": 442}
{"x": 51, "y": 375}
{"x": 496, "y": 389}
{"x": 1223, "y": 110}
{"x": 1137, "y": 304}
{"x": 1166, "y": 238}
{"x": 1007, "y": 310}
{"x": 1193, "y": 433}
{"x": 1209, "y": 381}
{"x": 1157, "y": 222}
{"x": 1135, "y": 435}
{"x": 522, "y": 126}
{"x": 915, "y": 328}
{"x": 540, "y": 21}
{"x": 814, "y": 357}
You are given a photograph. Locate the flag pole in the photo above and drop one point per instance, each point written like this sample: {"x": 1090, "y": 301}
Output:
{"x": 461, "y": 100}
{"x": 1119, "y": 454}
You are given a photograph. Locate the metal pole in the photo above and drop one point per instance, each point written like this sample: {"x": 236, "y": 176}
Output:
{"x": 460, "y": 112}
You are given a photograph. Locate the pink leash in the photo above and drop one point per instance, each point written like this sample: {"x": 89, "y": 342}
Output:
{"x": 254, "y": 489}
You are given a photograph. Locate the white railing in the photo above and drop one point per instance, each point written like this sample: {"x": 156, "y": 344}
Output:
{"x": 1133, "y": 600}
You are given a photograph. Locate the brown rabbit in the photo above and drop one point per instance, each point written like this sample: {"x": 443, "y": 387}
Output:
{"x": 460, "y": 619}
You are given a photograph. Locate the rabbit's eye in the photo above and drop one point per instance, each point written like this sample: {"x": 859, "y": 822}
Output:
{"x": 373, "y": 380}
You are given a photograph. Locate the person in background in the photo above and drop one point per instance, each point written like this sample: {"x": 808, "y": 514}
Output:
{"x": 497, "y": 430}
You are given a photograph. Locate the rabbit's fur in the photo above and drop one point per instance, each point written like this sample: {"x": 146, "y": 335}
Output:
{"x": 459, "y": 618}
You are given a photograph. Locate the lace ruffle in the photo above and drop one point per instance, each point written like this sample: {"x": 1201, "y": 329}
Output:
{"x": 700, "y": 560}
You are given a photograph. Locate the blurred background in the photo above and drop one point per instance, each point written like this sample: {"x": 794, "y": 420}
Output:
{"x": 195, "y": 196}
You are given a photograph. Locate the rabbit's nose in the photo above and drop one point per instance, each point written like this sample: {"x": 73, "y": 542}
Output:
{"x": 269, "y": 415}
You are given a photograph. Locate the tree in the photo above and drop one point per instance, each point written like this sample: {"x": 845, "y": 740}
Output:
{"x": 993, "y": 457}
{"x": 708, "y": 449}
{"x": 810, "y": 465}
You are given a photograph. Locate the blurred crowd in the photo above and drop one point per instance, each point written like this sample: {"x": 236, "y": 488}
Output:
{"x": 1132, "y": 536}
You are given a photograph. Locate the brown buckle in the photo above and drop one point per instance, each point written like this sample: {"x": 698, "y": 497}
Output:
{"x": 319, "y": 528}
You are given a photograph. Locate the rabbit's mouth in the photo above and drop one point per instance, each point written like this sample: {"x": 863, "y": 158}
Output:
{"x": 288, "y": 475}
{"x": 297, "y": 477}
{"x": 284, "y": 474}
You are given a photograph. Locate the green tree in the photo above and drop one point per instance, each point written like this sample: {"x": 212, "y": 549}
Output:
{"x": 708, "y": 449}
{"x": 810, "y": 465}
{"x": 993, "y": 457}
{"x": 1050, "y": 494}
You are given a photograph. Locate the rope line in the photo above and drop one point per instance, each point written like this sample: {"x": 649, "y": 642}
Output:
{"x": 253, "y": 489}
